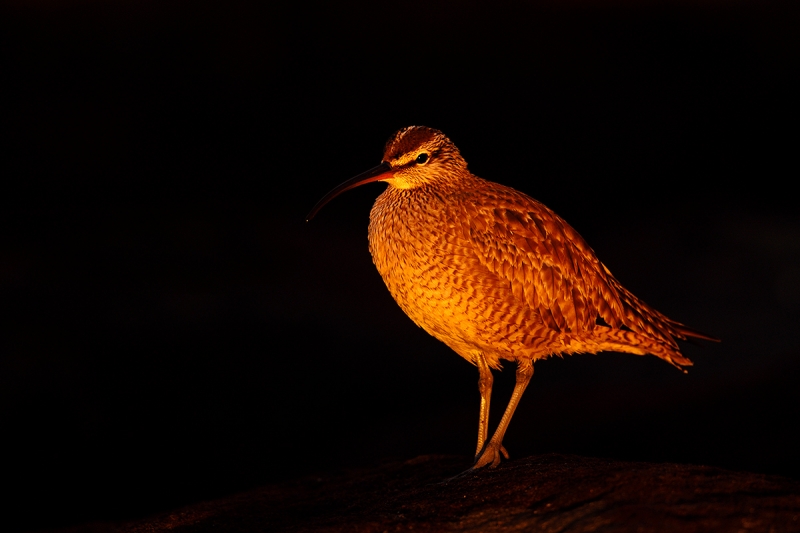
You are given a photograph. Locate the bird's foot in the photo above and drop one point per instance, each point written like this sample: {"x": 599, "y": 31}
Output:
{"x": 490, "y": 456}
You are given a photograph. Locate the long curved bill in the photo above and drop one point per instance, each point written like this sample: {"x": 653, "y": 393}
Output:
{"x": 378, "y": 173}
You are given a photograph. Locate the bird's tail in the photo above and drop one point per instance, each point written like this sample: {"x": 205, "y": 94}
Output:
{"x": 626, "y": 341}
{"x": 659, "y": 329}
{"x": 691, "y": 333}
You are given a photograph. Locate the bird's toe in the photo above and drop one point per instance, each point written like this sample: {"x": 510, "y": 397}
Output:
{"x": 491, "y": 456}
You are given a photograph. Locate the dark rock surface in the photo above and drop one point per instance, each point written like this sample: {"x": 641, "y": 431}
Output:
{"x": 547, "y": 493}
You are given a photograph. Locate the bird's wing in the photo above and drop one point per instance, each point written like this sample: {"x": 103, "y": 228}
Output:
{"x": 550, "y": 267}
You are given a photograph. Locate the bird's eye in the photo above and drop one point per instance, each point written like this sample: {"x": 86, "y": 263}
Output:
{"x": 421, "y": 158}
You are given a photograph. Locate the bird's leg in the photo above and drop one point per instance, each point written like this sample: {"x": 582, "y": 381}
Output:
{"x": 485, "y": 382}
{"x": 493, "y": 449}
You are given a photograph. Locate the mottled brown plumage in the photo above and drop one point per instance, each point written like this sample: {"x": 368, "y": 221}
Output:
{"x": 495, "y": 274}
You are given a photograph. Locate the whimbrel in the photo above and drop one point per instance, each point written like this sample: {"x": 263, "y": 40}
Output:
{"x": 495, "y": 274}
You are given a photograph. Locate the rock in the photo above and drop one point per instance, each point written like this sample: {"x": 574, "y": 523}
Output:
{"x": 545, "y": 493}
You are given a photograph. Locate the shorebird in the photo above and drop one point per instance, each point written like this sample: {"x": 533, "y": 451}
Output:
{"x": 496, "y": 275}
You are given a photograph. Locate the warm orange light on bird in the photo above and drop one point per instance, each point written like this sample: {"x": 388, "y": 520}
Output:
{"x": 495, "y": 274}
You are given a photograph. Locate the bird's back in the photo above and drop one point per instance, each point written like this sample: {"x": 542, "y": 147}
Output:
{"x": 487, "y": 269}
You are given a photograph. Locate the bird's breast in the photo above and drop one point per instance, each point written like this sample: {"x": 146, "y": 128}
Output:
{"x": 405, "y": 236}
{"x": 435, "y": 276}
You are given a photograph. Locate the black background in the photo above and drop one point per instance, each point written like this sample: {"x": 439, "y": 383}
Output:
{"x": 172, "y": 330}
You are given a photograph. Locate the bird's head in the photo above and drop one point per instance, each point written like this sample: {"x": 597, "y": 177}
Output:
{"x": 413, "y": 157}
{"x": 418, "y": 155}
